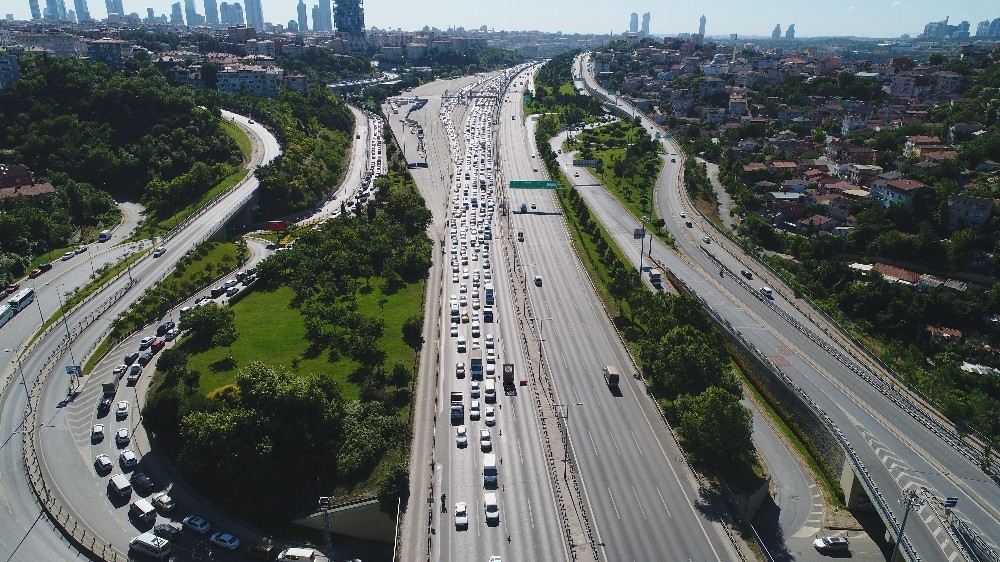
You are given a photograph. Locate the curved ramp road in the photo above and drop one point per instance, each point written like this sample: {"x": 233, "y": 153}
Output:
{"x": 25, "y": 533}
{"x": 900, "y": 449}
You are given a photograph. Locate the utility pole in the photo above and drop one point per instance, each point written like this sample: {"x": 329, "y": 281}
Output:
{"x": 911, "y": 501}
{"x": 20, "y": 368}
{"x": 324, "y": 503}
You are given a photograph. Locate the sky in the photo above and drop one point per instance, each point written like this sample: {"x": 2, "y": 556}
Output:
{"x": 869, "y": 18}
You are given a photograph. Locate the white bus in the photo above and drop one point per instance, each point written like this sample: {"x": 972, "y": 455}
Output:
{"x": 22, "y": 299}
{"x": 6, "y": 313}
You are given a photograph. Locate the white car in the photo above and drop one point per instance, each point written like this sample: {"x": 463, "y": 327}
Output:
{"x": 485, "y": 440}
{"x": 491, "y": 416}
{"x": 122, "y": 437}
{"x": 490, "y": 341}
{"x": 120, "y": 370}
{"x": 121, "y": 410}
{"x": 474, "y": 410}
{"x": 159, "y": 252}
{"x": 225, "y": 540}
{"x": 460, "y": 370}
{"x": 196, "y": 524}
{"x": 146, "y": 342}
{"x": 454, "y": 331}
{"x": 706, "y": 239}
{"x": 103, "y": 464}
{"x": 491, "y": 508}
{"x": 474, "y": 389}
{"x": 97, "y": 432}
{"x": 128, "y": 459}
{"x": 461, "y": 436}
{"x": 461, "y": 516}
{"x": 832, "y": 543}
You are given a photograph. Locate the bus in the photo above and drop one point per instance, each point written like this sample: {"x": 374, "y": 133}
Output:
{"x": 6, "y": 313}
{"x": 655, "y": 277}
{"x": 22, "y": 299}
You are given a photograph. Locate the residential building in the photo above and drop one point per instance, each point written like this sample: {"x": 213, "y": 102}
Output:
{"x": 191, "y": 15}
{"x": 322, "y": 16}
{"x": 10, "y": 71}
{"x": 790, "y": 33}
{"x": 33, "y": 191}
{"x": 297, "y": 83}
{"x": 895, "y": 192}
{"x": 902, "y": 85}
{"x": 231, "y": 14}
{"x": 738, "y": 106}
{"x": 967, "y": 211}
{"x": 701, "y": 25}
{"x": 114, "y": 7}
{"x": 895, "y": 274}
{"x": 112, "y": 52}
{"x": 36, "y": 12}
{"x": 863, "y": 174}
{"x": 644, "y": 30}
{"x": 918, "y": 143}
{"x": 964, "y": 131}
{"x": 948, "y": 82}
{"x": 255, "y": 80}
{"x": 350, "y": 22}
{"x": 776, "y": 33}
{"x": 61, "y": 44}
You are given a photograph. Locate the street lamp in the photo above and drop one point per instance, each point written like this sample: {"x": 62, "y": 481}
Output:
{"x": 566, "y": 433}
{"x": 910, "y": 501}
{"x": 20, "y": 368}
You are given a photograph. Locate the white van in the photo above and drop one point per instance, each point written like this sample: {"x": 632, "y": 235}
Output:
{"x": 121, "y": 485}
{"x": 104, "y": 236}
{"x": 490, "y": 391}
{"x": 142, "y": 510}
{"x": 150, "y": 545}
{"x": 490, "y": 475}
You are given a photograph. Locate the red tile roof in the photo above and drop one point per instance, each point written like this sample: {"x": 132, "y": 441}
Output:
{"x": 906, "y": 185}
{"x": 892, "y": 273}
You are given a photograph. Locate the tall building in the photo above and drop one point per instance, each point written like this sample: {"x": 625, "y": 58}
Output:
{"x": 55, "y": 10}
{"x": 323, "y": 17}
{"x": 644, "y": 30}
{"x": 176, "y": 17}
{"x": 82, "y": 10}
{"x": 150, "y": 15}
{"x": 36, "y": 13}
{"x": 231, "y": 14}
{"x": 114, "y": 7}
{"x": 303, "y": 22}
{"x": 776, "y": 34}
{"x": 350, "y": 21}
{"x": 316, "y": 17}
{"x": 191, "y": 14}
{"x": 633, "y": 23}
{"x": 983, "y": 29}
{"x": 255, "y": 15}
{"x": 701, "y": 25}
{"x": 790, "y": 32}
{"x": 211, "y": 12}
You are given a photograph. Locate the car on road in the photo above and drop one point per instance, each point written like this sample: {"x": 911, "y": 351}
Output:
{"x": 491, "y": 416}
{"x": 461, "y": 516}
{"x": 576, "y": 174}
{"x": 832, "y": 543}
{"x": 474, "y": 389}
{"x": 133, "y": 375}
{"x": 163, "y": 502}
{"x": 485, "y": 440}
{"x": 128, "y": 459}
{"x": 81, "y": 249}
{"x": 706, "y": 239}
{"x": 196, "y": 524}
{"x": 103, "y": 464}
{"x": 68, "y": 256}
{"x": 475, "y": 410}
{"x": 120, "y": 370}
{"x": 142, "y": 483}
{"x": 491, "y": 508}
{"x": 767, "y": 292}
{"x": 454, "y": 331}
{"x": 684, "y": 215}
{"x": 97, "y": 433}
{"x": 130, "y": 358}
{"x": 538, "y": 280}
{"x": 145, "y": 342}
{"x": 172, "y": 334}
{"x": 39, "y": 270}
{"x": 122, "y": 437}
{"x": 121, "y": 410}
{"x": 162, "y": 329}
{"x": 461, "y": 436}
{"x": 145, "y": 358}
{"x": 159, "y": 252}
{"x": 227, "y": 541}
{"x": 460, "y": 370}
{"x": 746, "y": 273}
{"x": 167, "y": 531}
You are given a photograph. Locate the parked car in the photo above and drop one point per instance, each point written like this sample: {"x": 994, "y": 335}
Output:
{"x": 121, "y": 410}
{"x": 128, "y": 459}
{"x": 167, "y": 531}
{"x": 461, "y": 516}
{"x": 227, "y": 541}
{"x": 163, "y": 502}
{"x": 143, "y": 483}
{"x": 196, "y": 524}
{"x": 103, "y": 464}
{"x": 130, "y": 358}
{"x": 831, "y": 544}
{"x": 145, "y": 358}
{"x": 122, "y": 437}
{"x": 97, "y": 433}
{"x": 157, "y": 345}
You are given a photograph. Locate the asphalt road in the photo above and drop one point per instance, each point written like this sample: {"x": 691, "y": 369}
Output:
{"x": 898, "y": 450}
{"x": 645, "y": 500}
{"x": 25, "y": 534}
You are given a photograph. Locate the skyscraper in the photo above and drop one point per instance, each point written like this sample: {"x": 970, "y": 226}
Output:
{"x": 114, "y": 7}
{"x": 790, "y": 32}
{"x": 350, "y": 21}
{"x": 255, "y": 15}
{"x": 211, "y": 12}
{"x": 82, "y": 10}
{"x": 55, "y": 10}
{"x": 36, "y": 13}
{"x": 701, "y": 25}
{"x": 150, "y": 15}
{"x": 176, "y": 17}
{"x": 325, "y": 21}
{"x": 237, "y": 11}
{"x": 316, "y": 17}
{"x": 191, "y": 14}
{"x": 303, "y": 18}
{"x": 633, "y": 23}
{"x": 644, "y": 30}
{"x": 776, "y": 34}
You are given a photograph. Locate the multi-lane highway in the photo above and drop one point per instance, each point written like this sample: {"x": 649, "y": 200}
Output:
{"x": 645, "y": 500}
{"x": 26, "y": 533}
{"x": 899, "y": 445}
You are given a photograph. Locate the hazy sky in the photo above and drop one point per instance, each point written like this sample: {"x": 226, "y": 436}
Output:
{"x": 879, "y": 18}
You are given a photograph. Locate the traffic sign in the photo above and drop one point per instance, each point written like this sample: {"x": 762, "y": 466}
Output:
{"x": 639, "y": 233}
{"x": 532, "y": 184}
{"x": 951, "y": 502}
{"x": 73, "y": 370}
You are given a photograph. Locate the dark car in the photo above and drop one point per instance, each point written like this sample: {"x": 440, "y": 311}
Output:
{"x": 130, "y": 358}
{"x": 104, "y": 406}
{"x": 746, "y": 273}
{"x": 145, "y": 358}
{"x": 164, "y": 328}
{"x": 143, "y": 483}
{"x": 167, "y": 531}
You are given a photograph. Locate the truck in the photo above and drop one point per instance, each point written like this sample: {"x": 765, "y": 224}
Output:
{"x": 655, "y": 277}
{"x": 611, "y": 376}
{"x": 508, "y": 378}
{"x": 120, "y": 484}
{"x": 488, "y": 314}
{"x": 489, "y": 294}
{"x": 476, "y": 367}
{"x": 108, "y": 391}
{"x": 457, "y": 408}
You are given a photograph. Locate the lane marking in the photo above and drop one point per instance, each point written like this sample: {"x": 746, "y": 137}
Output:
{"x": 639, "y": 503}
{"x": 636, "y": 440}
{"x": 613, "y": 504}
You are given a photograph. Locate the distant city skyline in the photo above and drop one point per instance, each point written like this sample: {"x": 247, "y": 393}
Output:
{"x": 879, "y": 18}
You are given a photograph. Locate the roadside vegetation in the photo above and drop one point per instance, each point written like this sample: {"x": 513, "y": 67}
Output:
{"x": 98, "y": 135}
{"x": 555, "y": 94}
{"x": 316, "y": 361}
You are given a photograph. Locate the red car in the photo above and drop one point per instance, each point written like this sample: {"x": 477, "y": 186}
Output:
{"x": 12, "y": 288}
{"x": 40, "y": 270}
{"x": 157, "y": 345}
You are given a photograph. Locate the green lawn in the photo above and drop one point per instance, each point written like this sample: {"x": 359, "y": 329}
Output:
{"x": 238, "y": 135}
{"x": 273, "y": 332}
{"x": 567, "y": 88}
{"x": 49, "y": 257}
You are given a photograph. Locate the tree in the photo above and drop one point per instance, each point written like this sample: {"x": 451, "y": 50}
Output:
{"x": 394, "y": 488}
{"x": 211, "y": 326}
{"x": 716, "y": 428}
{"x": 413, "y": 332}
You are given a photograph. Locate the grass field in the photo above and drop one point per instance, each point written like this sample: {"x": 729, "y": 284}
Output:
{"x": 49, "y": 257}
{"x": 273, "y": 332}
{"x": 238, "y": 135}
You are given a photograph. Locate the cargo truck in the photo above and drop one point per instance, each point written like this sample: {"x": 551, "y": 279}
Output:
{"x": 457, "y": 408}
{"x": 476, "y": 367}
{"x": 489, "y": 294}
{"x": 108, "y": 391}
{"x": 508, "y": 379}
{"x": 611, "y": 376}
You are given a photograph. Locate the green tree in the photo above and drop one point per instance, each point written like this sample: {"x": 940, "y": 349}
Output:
{"x": 211, "y": 326}
{"x": 394, "y": 488}
{"x": 413, "y": 328}
{"x": 716, "y": 428}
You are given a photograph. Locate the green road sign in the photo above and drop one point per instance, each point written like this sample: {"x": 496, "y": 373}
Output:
{"x": 532, "y": 184}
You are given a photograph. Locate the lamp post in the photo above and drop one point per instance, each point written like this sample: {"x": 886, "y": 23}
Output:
{"x": 911, "y": 501}
{"x": 20, "y": 368}
{"x": 566, "y": 433}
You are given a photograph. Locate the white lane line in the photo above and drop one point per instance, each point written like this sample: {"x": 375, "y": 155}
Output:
{"x": 520, "y": 453}
{"x": 664, "y": 502}
{"x": 531, "y": 514}
{"x": 592, "y": 444}
{"x": 615, "y": 442}
{"x": 637, "y": 447}
{"x": 613, "y": 504}
{"x": 639, "y": 503}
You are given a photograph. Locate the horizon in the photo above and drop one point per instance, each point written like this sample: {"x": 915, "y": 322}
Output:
{"x": 882, "y": 20}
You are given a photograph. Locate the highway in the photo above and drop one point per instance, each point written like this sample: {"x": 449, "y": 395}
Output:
{"x": 645, "y": 500}
{"x": 26, "y": 534}
{"x": 898, "y": 450}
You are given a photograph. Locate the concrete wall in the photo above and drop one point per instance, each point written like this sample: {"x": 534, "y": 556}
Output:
{"x": 362, "y": 521}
